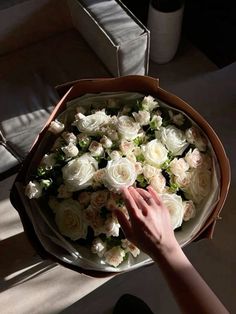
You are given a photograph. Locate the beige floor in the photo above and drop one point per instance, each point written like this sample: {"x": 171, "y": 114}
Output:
{"x": 30, "y": 285}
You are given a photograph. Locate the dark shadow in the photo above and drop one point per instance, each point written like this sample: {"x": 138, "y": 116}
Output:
{"x": 17, "y": 255}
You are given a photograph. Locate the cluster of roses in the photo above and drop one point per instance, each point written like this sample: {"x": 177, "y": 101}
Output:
{"x": 109, "y": 153}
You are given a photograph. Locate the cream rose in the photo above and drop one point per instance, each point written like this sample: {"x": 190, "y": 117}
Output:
{"x": 114, "y": 256}
{"x": 194, "y": 136}
{"x": 69, "y": 137}
{"x": 155, "y": 153}
{"x": 158, "y": 182}
{"x": 84, "y": 198}
{"x": 142, "y": 117}
{"x": 189, "y": 210}
{"x": 70, "y": 150}
{"x": 194, "y": 158}
{"x": 48, "y": 161}
{"x": 120, "y": 173}
{"x": 63, "y": 192}
{"x": 130, "y": 247}
{"x": 149, "y": 171}
{"x": 78, "y": 173}
{"x": 106, "y": 142}
{"x": 179, "y": 167}
{"x": 99, "y": 198}
{"x": 33, "y": 190}
{"x": 111, "y": 227}
{"x": 70, "y": 221}
{"x": 126, "y": 147}
{"x": 127, "y": 127}
{"x": 149, "y": 103}
{"x": 92, "y": 124}
{"x": 56, "y": 127}
{"x": 98, "y": 247}
{"x": 200, "y": 184}
{"x": 175, "y": 206}
{"x": 174, "y": 139}
{"x": 96, "y": 149}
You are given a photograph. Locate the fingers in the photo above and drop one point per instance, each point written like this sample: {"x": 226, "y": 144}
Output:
{"x": 146, "y": 196}
{"x": 130, "y": 204}
{"x": 154, "y": 194}
{"x": 139, "y": 200}
{"x": 125, "y": 224}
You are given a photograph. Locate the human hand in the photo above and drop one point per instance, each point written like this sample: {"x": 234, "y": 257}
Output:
{"x": 149, "y": 226}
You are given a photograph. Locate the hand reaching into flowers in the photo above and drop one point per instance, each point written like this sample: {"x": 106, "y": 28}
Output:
{"x": 149, "y": 226}
{"x": 150, "y": 229}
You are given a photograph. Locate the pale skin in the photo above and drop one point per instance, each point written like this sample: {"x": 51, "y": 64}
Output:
{"x": 150, "y": 229}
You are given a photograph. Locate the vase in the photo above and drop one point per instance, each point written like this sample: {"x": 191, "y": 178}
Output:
{"x": 165, "y": 32}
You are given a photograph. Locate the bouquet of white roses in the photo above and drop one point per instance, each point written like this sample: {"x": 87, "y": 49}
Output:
{"x": 112, "y": 143}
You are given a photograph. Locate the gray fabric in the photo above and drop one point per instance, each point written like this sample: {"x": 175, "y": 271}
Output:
{"x": 7, "y": 160}
{"x": 114, "y": 20}
{"x": 120, "y": 41}
{"x": 25, "y": 104}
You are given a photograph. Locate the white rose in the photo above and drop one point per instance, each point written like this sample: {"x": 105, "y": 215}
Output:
{"x": 33, "y": 190}
{"x": 189, "y": 210}
{"x": 174, "y": 139}
{"x": 114, "y": 256}
{"x": 127, "y": 127}
{"x": 176, "y": 209}
{"x": 149, "y": 103}
{"x": 56, "y": 127}
{"x": 194, "y": 136}
{"x": 70, "y": 150}
{"x": 149, "y": 171}
{"x": 99, "y": 198}
{"x": 155, "y": 153}
{"x": 179, "y": 167}
{"x": 78, "y": 173}
{"x": 142, "y": 117}
{"x": 194, "y": 158}
{"x": 69, "y": 219}
{"x": 106, "y": 142}
{"x": 69, "y": 137}
{"x": 98, "y": 247}
{"x": 48, "y": 161}
{"x": 130, "y": 247}
{"x": 92, "y": 124}
{"x": 120, "y": 173}
{"x": 200, "y": 184}
{"x": 158, "y": 182}
{"x": 96, "y": 149}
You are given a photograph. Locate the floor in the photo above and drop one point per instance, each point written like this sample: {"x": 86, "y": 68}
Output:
{"x": 30, "y": 277}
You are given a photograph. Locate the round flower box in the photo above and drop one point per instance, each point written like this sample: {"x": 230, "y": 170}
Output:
{"x": 165, "y": 150}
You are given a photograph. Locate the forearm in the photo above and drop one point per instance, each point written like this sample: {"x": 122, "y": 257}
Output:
{"x": 190, "y": 291}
